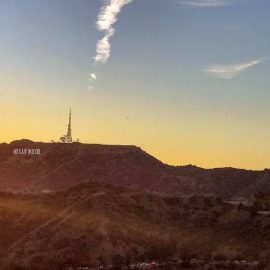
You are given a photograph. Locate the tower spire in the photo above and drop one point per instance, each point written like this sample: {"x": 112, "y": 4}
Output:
{"x": 69, "y": 125}
{"x": 68, "y": 137}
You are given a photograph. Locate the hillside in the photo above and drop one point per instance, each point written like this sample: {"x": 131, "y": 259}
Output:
{"x": 60, "y": 166}
{"x": 94, "y": 224}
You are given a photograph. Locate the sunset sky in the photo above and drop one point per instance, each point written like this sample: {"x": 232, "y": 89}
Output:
{"x": 186, "y": 80}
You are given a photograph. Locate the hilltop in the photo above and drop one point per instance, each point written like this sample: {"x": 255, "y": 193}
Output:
{"x": 60, "y": 166}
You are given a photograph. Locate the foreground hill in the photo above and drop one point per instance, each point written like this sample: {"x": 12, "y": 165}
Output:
{"x": 96, "y": 224}
{"x": 60, "y": 166}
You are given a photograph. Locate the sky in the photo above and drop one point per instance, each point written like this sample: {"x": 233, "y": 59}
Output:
{"x": 186, "y": 80}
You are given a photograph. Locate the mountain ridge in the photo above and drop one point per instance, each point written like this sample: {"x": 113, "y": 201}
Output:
{"x": 60, "y": 166}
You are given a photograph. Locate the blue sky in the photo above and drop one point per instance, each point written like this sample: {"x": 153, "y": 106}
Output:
{"x": 162, "y": 75}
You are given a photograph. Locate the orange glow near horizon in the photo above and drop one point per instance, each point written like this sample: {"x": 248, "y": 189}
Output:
{"x": 207, "y": 145}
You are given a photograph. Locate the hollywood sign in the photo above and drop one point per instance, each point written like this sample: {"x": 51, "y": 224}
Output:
{"x": 26, "y": 151}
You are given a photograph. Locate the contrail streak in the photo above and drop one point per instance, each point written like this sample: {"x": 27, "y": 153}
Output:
{"x": 107, "y": 17}
{"x": 231, "y": 71}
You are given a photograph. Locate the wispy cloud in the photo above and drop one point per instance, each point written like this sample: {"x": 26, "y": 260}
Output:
{"x": 92, "y": 78}
{"x": 107, "y": 17}
{"x": 207, "y": 3}
{"x": 231, "y": 71}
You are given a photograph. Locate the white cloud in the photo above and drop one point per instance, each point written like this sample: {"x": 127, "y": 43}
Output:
{"x": 93, "y": 76}
{"x": 107, "y": 17}
{"x": 231, "y": 71}
{"x": 103, "y": 50}
{"x": 207, "y": 3}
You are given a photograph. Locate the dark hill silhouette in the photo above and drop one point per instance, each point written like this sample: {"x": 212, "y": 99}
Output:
{"x": 94, "y": 224}
{"x": 61, "y": 166}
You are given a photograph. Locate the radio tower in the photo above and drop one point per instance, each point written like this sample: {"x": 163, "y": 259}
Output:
{"x": 68, "y": 137}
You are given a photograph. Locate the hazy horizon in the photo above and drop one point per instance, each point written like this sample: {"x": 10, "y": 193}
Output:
{"x": 187, "y": 81}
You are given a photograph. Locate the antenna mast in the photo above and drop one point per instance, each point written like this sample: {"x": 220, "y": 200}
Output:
{"x": 68, "y": 137}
